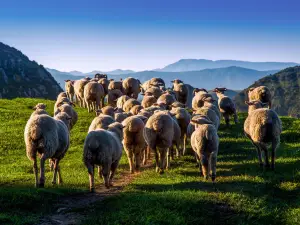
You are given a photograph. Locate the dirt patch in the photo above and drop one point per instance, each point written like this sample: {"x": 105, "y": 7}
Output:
{"x": 68, "y": 212}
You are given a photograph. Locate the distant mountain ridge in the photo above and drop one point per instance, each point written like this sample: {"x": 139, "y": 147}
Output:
{"x": 235, "y": 78}
{"x": 285, "y": 90}
{"x": 200, "y": 64}
{"x": 21, "y": 77}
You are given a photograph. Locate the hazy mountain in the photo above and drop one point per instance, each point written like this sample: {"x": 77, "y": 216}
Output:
{"x": 119, "y": 72}
{"x": 200, "y": 64}
{"x": 92, "y": 73}
{"x": 60, "y": 77}
{"x": 76, "y": 73}
{"x": 285, "y": 90}
{"x": 21, "y": 77}
{"x": 235, "y": 78}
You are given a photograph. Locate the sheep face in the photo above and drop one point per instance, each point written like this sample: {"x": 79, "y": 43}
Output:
{"x": 40, "y": 106}
{"x": 65, "y": 118}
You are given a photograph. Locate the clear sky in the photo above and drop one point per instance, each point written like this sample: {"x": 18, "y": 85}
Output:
{"x": 90, "y": 35}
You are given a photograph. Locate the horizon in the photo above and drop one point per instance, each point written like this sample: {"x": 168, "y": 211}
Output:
{"x": 133, "y": 35}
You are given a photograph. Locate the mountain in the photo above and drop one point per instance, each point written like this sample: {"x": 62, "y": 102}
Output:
{"x": 235, "y": 78}
{"x": 76, "y": 73}
{"x": 60, "y": 77}
{"x": 285, "y": 90}
{"x": 21, "y": 77}
{"x": 119, "y": 72}
{"x": 92, "y": 73}
{"x": 200, "y": 64}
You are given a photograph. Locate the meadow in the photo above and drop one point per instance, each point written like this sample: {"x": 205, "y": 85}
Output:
{"x": 243, "y": 194}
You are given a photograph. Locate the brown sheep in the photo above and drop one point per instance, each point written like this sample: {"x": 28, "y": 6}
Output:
{"x": 93, "y": 96}
{"x": 113, "y": 96}
{"x": 261, "y": 93}
{"x": 131, "y": 87}
{"x": 115, "y": 85}
{"x": 181, "y": 91}
{"x": 148, "y": 101}
{"x": 129, "y": 104}
{"x": 107, "y": 110}
{"x": 69, "y": 87}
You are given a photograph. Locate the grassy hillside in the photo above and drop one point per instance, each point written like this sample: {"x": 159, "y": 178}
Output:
{"x": 285, "y": 90}
{"x": 243, "y": 194}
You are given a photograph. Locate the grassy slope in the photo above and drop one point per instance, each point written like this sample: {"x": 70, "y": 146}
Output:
{"x": 20, "y": 202}
{"x": 243, "y": 195}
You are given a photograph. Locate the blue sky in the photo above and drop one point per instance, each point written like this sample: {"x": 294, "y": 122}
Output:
{"x": 139, "y": 35}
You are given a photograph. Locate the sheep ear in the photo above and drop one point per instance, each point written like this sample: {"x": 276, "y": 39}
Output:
{"x": 248, "y": 103}
{"x": 34, "y": 107}
{"x": 225, "y": 89}
{"x": 73, "y": 104}
{"x": 69, "y": 118}
{"x": 251, "y": 89}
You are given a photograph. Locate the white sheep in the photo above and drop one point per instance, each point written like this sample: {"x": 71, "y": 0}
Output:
{"x": 93, "y": 96}
{"x": 101, "y": 121}
{"x": 263, "y": 126}
{"x": 205, "y": 142}
{"x": 48, "y": 137}
{"x": 67, "y": 108}
{"x": 103, "y": 148}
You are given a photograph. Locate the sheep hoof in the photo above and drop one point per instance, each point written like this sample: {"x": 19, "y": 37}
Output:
{"x": 107, "y": 186}
{"x": 41, "y": 185}
{"x": 92, "y": 190}
{"x": 161, "y": 172}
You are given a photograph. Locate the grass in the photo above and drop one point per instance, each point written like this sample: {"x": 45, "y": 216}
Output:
{"x": 243, "y": 194}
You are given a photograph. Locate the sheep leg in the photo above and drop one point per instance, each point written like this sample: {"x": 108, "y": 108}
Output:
{"x": 168, "y": 159}
{"x": 145, "y": 156}
{"x": 156, "y": 159}
{"x": 204, "y": 163}
{"x": 59, "y": 178}
{"x": 171, "y": 150}
{"x": 270, "y": 104}
{"x": 35, "y": 171}
{"x": 148, "y": 152}
{"x": 227, "y": 120}
{"x": 163, "y": 153}
{"x": 113, "y": 169}
{"x": 275, "y": 143}
{"x": 258, "y": 151}
{"x": 42, "y": 171}
{"x": 128, "y": 150}
{"x": 100, "y": 172}
{"x": 55, "y": 171}
{"x": 213, "y": 166}
{"x": 137, "y": 162}
{"x": 105, "y": 172}
{"x": 184, "y": 144}
{"x": 236, "y": 120}
{"x": 266, "y": 153}
{"x": 90, "y": 168}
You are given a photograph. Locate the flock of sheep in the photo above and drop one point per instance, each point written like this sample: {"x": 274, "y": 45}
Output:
{"x": 160, "y": 123}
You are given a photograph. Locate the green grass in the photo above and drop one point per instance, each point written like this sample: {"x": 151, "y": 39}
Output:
{"x": 243, "y": 194}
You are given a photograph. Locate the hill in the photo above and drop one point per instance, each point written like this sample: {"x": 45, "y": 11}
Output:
{"x": 243, "y": 194}
{"x": 236, "y": 78}
{"x": 285, "y": 90}
{"x": 21, "y": 77}
{"x": 200, "y": 64}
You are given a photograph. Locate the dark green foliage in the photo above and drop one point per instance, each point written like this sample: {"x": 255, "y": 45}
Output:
{"x": 285, "y": 90}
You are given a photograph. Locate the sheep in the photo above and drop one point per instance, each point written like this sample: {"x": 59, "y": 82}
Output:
{"x": 153, "y": 108}
{"x": 153, "y": 91}
{"x": 167, "y": 99}
{"x": 121, "y": 100}
{"x": 261, "y": 93}
{"x": 145, "y": 86}
{"x": 136, "y": 109}
{"x": 211, "y": 114}
{"x": 101, "y": 121}
{"x": 131, "y": 87}
{"x": 181, "y": 91}
{"x": 226, "y": 106}
{"x": 79, "y": 91}
{"x": 145, "y": 114}
{"x": 104, "y": 82}
{"x": 148, "y": 101}
{"x": 100, "y": 76}
{"x": 158, "y": 134}
{"x": 103, "y": 148}
{"x": 61, "y": 95}
{"x": 177, "y": 105}
{"x": 60, "y": 101}
{"x": 39, "y": 109}
{"x": 130, "y": 103}
{"x": 183, "y": 118}
{"x": 107, "y": 110}
{"x": 263, "y": 126}
{"x": 70, "y": 111}
{"x": 157, "y": 82}
{"x": 112, "y": 97}
{"x": 133, "y": 142}
{"x": 120, "y": 117}
{"x": 199, "y": 95}
{"x": 49, "y": 137}
{"x": 205, "y": 143}
{"x": 93, "y": 96}
{"x": 70, "y": 89}
{"x": 115, "y": 85}
{"x": 208, "y": 102}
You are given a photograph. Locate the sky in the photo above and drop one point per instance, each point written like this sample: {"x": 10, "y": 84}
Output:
{"x": 143, "y": 35}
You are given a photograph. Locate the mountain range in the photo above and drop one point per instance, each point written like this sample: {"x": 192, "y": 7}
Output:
{"x": 21, "y": 77}
{"x": 200, "y": 64}
{"x": 233, "y": 77}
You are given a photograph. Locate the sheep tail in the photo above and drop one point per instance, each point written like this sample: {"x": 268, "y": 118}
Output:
{"x": 94, "y": 145}
{"x": 157, "y": 126}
